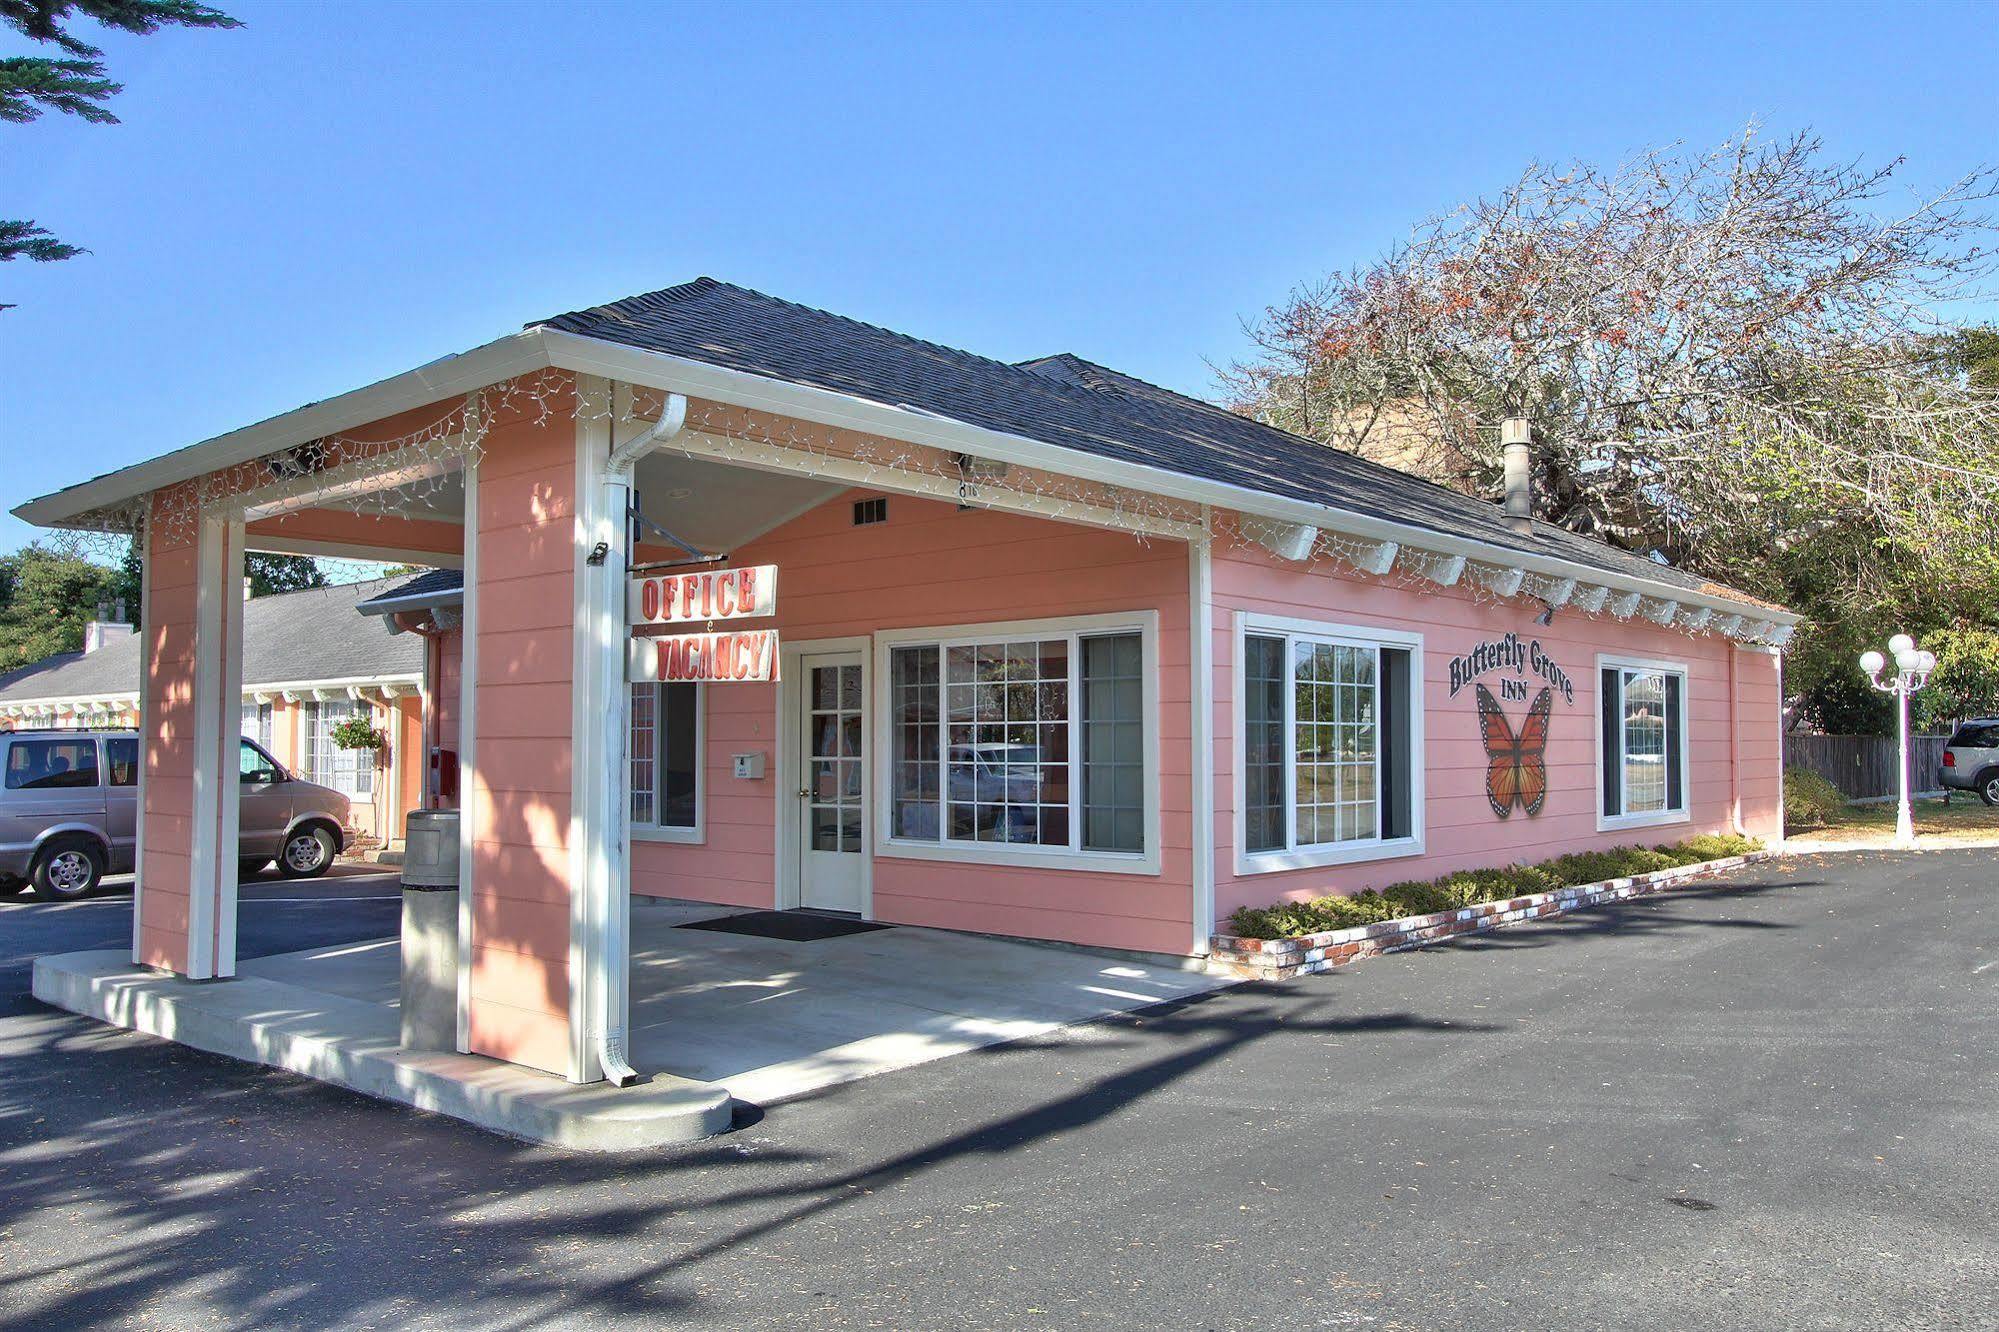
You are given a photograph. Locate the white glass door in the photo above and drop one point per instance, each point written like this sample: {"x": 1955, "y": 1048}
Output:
{"x": 832, "y": 800}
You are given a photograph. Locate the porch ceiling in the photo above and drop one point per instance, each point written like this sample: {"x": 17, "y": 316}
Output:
{"x": 717, "y": 507}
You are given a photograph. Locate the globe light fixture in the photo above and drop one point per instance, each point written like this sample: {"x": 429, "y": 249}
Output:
{"x": 1912, "y": 672}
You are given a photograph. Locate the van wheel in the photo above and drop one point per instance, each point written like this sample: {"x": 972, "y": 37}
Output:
{"x": 66, "y": 871}
{"x": 1988, "y": 787}
{"x": 307, "y": 854}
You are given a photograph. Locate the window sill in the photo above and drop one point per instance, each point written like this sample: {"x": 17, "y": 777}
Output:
{"x": 1274, "y": 862}
{"x": 1623, "y": 821}
{"x": 999, "y": 853}
{"x": 676, "y": 836}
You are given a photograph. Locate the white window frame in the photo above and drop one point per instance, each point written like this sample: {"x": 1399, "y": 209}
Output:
{"x": 1684, "y": 814}
{"x": 363, "y": 759}
{"x": 697, "y": 835}
{"x": 1250, "y": 624}
{"x": 1144, "y": 623}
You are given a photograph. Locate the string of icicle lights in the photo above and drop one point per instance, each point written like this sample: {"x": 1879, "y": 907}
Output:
{"x": 424, "y": 463}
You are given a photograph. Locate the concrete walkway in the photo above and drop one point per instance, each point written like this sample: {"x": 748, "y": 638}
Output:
{"x": 771, "y": 1019}
{"x": 715, "y": 1016}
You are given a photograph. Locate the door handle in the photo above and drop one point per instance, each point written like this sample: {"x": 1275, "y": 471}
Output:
{"x": 804, "y": 794}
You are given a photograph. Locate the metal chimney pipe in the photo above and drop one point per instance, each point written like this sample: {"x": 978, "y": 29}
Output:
{"x": 1516, "y": 439}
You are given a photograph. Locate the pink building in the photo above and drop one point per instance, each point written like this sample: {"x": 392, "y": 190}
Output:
{"x": 1059, "y": 654}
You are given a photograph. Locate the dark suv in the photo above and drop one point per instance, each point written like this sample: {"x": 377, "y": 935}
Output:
{"x": 69, "y": 812}
{"x": 1971, "y": 759}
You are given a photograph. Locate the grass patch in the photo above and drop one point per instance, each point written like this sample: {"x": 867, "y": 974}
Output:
{"x": 1965, "y": 821}
{"x": 1420, "y": 897}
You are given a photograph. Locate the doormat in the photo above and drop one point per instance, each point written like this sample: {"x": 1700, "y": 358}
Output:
{"x": 791, "y": 926}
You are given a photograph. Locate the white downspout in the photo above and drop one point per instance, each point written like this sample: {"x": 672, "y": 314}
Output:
{"x": 611, "y": 954}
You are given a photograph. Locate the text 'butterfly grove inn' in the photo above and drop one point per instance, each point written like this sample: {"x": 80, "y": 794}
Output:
{"x": 741, "y": 602}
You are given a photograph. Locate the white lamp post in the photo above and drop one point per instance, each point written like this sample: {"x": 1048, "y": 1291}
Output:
{"x": 1912, "y": 672}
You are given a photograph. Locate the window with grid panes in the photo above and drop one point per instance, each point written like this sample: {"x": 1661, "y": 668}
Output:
{"x": 1027, "y": 742}
{"x": 1327, "y": 742}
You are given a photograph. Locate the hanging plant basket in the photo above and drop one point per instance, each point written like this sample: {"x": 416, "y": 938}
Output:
{"x": 354, "y": 733}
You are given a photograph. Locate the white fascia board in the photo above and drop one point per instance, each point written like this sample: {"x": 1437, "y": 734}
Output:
{"x": 540, "y": 347}
{"x": 339, "y": 687}
{"x": 46, "y": 701}
{"x": 449, "y": 377}
{"x": 414, "y": 601}
{"x": 663, "y": 371}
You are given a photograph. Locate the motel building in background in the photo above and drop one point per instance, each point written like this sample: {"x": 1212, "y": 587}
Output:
{"x": 740, "y": 602}
{"x": 310, "y": 662}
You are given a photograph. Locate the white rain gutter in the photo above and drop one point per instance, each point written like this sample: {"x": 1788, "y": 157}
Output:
{"x": 666, "y": 371}
{"x": 608, "y": 953}
{"x": 540, "y": 346}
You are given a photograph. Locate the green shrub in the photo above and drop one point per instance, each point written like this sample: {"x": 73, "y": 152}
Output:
{"x": 1421, "y": 897}
{"x": 1810, "y": 801}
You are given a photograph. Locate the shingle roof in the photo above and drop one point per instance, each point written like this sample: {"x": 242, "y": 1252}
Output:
{"x": 427, "y": 587}
{"x": 288, "y": 638}
{"x": 1069, "y": 402}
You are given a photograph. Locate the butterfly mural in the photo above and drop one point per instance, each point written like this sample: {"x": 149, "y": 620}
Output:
{"x": 1516, "y": 764}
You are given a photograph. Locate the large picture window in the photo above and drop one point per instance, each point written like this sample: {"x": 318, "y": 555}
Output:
{"x": 665, "y": 759}
{"x": 1329, "y": 742}
{"x": 1642, "y": 742}
{"x": 1025, "y": 741}
{"x": 351, "y": 771}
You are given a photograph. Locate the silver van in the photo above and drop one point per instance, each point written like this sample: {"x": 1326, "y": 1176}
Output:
{"x": 69, "y": 812}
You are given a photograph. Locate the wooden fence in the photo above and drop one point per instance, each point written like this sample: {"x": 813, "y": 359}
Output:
{"x": 1863, "y": 766}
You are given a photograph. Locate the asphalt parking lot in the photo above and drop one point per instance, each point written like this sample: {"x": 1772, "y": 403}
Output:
{"x": 1760, "y": 1104}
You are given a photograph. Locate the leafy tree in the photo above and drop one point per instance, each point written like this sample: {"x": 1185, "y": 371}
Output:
{"x": 76, "y": 84}
{"x": 267, "y": 573}
{"x": 47, "y": 595}
{"x": 1732, "y": 360}
{"x": 1966, "y": 680}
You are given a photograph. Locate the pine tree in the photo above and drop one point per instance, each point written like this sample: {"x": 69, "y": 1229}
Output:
{"x": 75, "y": 85}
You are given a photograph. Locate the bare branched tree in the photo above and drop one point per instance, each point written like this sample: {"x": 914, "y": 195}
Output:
{"x": 1714, "y": 348}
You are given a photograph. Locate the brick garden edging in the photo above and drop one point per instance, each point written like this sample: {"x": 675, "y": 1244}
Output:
{"x": 1301, "y": 955}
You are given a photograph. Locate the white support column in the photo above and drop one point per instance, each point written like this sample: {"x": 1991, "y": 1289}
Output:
{"x": 600, "y": 909}
{"x": 1201, "y": 667}
{"x": 468, "y": 749}
{"x": 218, "y": 690}
{"x": 141, "y": 540}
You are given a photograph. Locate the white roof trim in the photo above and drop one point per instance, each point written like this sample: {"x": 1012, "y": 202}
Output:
{"x": 251, "y": 689}
{"x": 540, "y": 347}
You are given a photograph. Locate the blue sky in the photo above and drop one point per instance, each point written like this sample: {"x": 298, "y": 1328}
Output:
{"x": 339, "y": 192}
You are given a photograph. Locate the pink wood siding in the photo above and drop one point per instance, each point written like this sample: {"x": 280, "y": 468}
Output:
{"x": 521, "y": 798}
{"x": 168, "y": 742}
{"x": 1759, "y": 713}
{"x": 338, "y": 527}
{"x": 929, "y": 565}
{"x": 1461, "y": 830}
{"x": 443, "y": 662}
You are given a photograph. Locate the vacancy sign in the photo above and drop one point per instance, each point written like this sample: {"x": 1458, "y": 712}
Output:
{"x": 742, "y": 657}
{"x": 697, "y": 597}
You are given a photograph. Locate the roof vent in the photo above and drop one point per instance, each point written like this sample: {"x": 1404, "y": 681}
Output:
{"x": 870, "y": 511}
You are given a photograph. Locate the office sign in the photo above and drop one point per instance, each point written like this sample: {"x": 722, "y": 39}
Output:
{"x": 695, "y": 597}
{"x": 744, "y": 656}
